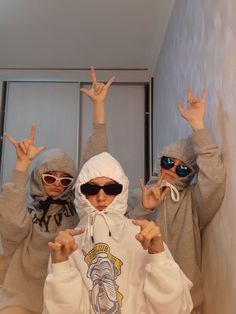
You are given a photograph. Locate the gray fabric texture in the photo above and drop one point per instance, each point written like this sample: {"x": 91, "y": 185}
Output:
{"x": 26, "y": 229}
{"x": 181, "y": 223}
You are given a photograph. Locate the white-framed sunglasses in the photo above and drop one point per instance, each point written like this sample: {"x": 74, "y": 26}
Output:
{"x": 50, "y": 179}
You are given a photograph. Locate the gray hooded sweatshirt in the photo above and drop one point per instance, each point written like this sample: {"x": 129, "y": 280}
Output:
{"x": 26, "y": 229}
{"x": 181, "y": 222}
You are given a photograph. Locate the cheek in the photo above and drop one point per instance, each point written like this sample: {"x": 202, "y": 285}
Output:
{"x": 91, "y": 199}
{"x": 110, "y": 198}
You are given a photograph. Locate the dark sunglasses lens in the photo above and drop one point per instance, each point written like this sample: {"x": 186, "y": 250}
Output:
{"x": 182, "y": 170}
{"x": 66, "y": 181}
{"x": 49, "y": 179}
{"x": 112, "y": 189}
{"x": 166, "y": 162}
{"x": 89, "y": 189}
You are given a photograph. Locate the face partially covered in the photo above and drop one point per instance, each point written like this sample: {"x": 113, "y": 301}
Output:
{"x": 173, "y": 168}
{"x": 101, "y": 191}
{"x": 55, "y": 182}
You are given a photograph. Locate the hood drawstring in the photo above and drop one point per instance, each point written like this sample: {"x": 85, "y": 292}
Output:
{"x": 91, "y": 223}
{"x": 174, "y": 193}
{"x": 46, "y": 203}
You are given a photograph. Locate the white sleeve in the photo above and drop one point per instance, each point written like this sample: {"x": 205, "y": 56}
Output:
{"x": 166, "y": 288}
{"x": 64, "y": 291}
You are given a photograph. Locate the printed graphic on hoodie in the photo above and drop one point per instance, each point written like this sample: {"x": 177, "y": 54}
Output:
{"x": 43, "y": 218}
{"x": 103, "y": 270}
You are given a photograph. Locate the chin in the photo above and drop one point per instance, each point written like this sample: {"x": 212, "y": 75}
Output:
{"x": 54, "y": 194}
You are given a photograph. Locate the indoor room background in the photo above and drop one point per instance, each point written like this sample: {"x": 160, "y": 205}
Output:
{"x": 198, "y": 50}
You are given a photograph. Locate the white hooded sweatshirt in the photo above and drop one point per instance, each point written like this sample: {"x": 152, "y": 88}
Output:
{"x": 110, "y": 272}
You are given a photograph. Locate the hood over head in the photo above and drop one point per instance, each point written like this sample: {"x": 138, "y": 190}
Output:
{"x": 102, "y": 165}
{"x": 51, "y": 160}
{"x": 183, "y": 150}
{"x": 111, "y": 220}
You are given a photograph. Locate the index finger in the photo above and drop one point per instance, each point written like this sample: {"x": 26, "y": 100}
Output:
{"x": 140, "y": 223}
{"x": 93, "y": 75}
{"x": 142, "y": 186}
{"x": 74, "y": 232}
{"x": 32, "y": 133}
{"x": 10, "y": 138}
{"x": 159, "y": 181}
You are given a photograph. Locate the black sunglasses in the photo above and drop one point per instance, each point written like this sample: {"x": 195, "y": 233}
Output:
{"x": 168, "y": 163}
{"x": 93, "y": 189}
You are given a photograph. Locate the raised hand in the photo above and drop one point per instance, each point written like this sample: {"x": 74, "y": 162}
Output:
{"x": 98, "y": 91}
{"x": 153, "y": 196}
{"x": 149, "y": 236}
{"x": 64, "y": 245}
{"x": 26, "y": 151}
{"x": 195, "y": 110}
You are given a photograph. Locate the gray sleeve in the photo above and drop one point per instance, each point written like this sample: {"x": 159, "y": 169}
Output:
{"x": 208, "y": 192}
{"x": 96, "y": 143}
{"x": 15, "y": 220}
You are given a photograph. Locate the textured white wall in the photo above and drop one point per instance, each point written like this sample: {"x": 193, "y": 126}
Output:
{"x": 199, "y": 50}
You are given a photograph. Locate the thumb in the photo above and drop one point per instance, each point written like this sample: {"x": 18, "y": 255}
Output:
{"x": 41, "y": 148}
{"x": 139, "y": 223}
{"x": 85, "y": 91}
{"x": 180, "y": 108}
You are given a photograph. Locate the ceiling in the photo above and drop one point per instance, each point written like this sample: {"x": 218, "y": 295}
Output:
{"x": 74, "y": 34}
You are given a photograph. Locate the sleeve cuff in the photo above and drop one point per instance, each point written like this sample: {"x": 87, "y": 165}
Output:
{"x": 158, "y": 258}
{"x": 99, "y": 127}
{"x": 61, "y": 267}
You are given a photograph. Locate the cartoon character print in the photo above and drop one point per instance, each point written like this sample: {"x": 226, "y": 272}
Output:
{"x": 103, "y": 270}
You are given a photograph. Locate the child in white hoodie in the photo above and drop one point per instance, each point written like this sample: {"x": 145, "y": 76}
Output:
{"x": 101, "y": 267}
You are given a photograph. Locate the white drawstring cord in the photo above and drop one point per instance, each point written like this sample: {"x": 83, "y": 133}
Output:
{"x": 91, "y": 222}
{"x": 174, "y": 193}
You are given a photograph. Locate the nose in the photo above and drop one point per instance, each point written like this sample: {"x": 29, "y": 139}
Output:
{"x": 173, "y": 168}
{"x": 101, "y": 195}
{"x": 57, "y": 183}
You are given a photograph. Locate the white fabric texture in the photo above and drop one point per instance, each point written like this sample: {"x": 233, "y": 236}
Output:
{"x": 113, "y": 274}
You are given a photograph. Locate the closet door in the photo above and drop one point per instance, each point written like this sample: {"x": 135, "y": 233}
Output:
{"x": 53, "y": 106}
{"x": 125, "y": 127}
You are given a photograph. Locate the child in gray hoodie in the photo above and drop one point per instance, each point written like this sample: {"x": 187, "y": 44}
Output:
{"x": 183, "y": 208}
{"x": 25, "y": 228}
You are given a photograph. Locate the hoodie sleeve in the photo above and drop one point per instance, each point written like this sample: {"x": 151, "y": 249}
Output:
{"x": 166, "y": 288}
{"x": 97, "y": 143}
{"x": 15, "y": 220}
{"x": 208, "y": 192}
{"x": 64, "y": 291}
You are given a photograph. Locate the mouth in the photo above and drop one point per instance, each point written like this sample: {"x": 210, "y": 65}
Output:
{"x": 56, "y": 190}
{"x": 100, "y": 208}
{"x": 170, "y": 176}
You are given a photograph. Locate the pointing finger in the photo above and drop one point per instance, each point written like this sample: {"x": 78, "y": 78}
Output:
{"x": 74, "y": 232}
